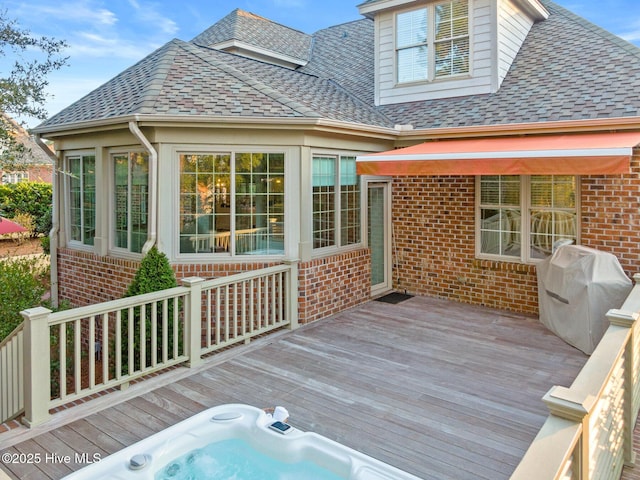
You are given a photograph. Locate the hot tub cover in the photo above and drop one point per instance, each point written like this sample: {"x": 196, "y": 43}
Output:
{"x": 577, "y": 286}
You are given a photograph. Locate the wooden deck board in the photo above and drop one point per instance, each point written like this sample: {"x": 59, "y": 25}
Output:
{"x": 439, "y": 389}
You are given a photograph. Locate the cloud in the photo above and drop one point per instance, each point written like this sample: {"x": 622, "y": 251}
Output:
{"x": 632, "y": 33}
{"x": 149, "y": 14}
{"x": 93, "y": 45}
{"x": 632, "y": 36}
{"x": 77, "y": 12}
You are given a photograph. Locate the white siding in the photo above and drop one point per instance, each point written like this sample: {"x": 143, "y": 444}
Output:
{"x": 478, "y": 82}
{"x": 498, "y": 29}
{"x": 513, "y": 27}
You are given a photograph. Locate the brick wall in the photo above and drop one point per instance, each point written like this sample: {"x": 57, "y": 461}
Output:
{"x": 86, "y": 278}
{"x": 434, "y": 235}
{"x": 332, "y": 284}
{"x": 327, "y": 286}
{"x": 611, "y": 215}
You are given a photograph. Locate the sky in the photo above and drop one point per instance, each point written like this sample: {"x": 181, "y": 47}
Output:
{"x": 107, "y": 36}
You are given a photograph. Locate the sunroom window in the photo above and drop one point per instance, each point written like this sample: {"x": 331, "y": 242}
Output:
{"x": 433, "y": 42}
{"x": 81, "y": 187}
{"x": 539, "y": 208}
{"x": 131, "y": 200}
{"x": 232, "y": 203}
{"x": 336, "y": 201}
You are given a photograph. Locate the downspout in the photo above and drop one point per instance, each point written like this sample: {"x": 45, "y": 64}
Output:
{"x": 55, "y": 221}
{"x": 152, "y": 234}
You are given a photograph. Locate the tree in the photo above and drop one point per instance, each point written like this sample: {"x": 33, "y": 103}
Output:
{"x": 22, "y": 88}
{"x": 154, "y": 274}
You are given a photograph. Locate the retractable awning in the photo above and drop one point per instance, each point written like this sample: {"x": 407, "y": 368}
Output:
{"x": 571, "y": 154}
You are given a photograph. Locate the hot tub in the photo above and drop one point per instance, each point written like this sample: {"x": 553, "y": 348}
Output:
{"x": 243, "y": 427}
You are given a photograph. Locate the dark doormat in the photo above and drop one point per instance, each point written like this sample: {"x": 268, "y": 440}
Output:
{"x": 394, "y": 297}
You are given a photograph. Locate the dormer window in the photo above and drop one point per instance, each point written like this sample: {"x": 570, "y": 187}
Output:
{"x": 433, "y": 42}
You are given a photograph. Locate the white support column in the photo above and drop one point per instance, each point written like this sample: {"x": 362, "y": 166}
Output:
{"x": 37, "y": 366}
{"x": 193, "y": 320}
{"x": 627, "y": 319}
{"x": 292, "y": 294}
{"x": 563, "y": 403}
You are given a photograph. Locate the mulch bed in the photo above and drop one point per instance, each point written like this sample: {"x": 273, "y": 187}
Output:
{"x": 12, "y": 248}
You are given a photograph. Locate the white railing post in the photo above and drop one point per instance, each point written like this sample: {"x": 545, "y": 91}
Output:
{"x": 627, "y": 319}
{"x": 37, "y": 365}
{"x": 292, "y": 293}
{"x": 193, "y": 320}
{"x": 563, "y": 403}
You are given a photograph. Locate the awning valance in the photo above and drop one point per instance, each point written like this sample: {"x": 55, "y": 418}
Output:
{"x": 571, "y": 154}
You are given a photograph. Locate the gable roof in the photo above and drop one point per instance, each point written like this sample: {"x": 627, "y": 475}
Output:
{"x": 567, "y": 69}
{"x": 33, "y": 154}
{"x": 256, "y": 33}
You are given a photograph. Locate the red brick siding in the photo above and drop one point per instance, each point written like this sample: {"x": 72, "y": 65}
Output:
{"x": 86, "y": 278}
{"x": 611, "y": 215}
{"x": 327, "y": 286}
{"x": 434, "y": 236}
{"x": 332, "y": 284}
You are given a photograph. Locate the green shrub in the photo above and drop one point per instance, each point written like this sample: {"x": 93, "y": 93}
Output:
{"x": 154, "y": 274}
{"x": 27, "y": 221}
{"x": 23, "y": 282}
{"x": 31, "y": 198}
{"x": 45, "y": 241}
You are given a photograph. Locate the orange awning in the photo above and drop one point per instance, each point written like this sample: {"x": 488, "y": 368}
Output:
{"x": 579, "y": 154}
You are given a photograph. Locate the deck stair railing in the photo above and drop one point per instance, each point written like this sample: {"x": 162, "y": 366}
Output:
{"x": 589, "y": 432}
{"x": 12, "y": 374}
{"x": 66, "y": 356}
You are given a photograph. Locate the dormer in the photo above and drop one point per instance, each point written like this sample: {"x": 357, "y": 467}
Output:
{"x": 433, "y": 49}
{"x": 252, "y": 36}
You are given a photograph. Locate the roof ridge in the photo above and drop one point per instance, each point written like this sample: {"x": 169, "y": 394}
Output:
{"x": 247, "y": 79}
{"x": 594, "y": 28}
{"x": 161, "y": 70}
{"x": 272, "y": 21}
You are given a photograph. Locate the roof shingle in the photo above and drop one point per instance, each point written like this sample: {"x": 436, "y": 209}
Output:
{"x": 567, "y": 69}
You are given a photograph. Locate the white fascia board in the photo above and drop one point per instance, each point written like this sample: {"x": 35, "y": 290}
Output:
{"x": 370, "y": 9}
{"x": 259, "y": 53}
{"x": 534, "y": 9}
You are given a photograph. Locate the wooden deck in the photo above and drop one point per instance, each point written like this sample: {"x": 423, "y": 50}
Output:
{"x": 439, "y": 389}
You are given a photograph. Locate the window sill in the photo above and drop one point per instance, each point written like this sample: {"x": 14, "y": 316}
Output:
{"x": 330, "y": 251}
{"x": 503, "y": 265}
{"x": 452, "y": 78}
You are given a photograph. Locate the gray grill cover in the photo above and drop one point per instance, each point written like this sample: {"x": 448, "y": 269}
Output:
{"x": 577, "y": 286}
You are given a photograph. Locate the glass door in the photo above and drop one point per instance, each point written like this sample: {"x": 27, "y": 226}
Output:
{"x": 378, "y": 236}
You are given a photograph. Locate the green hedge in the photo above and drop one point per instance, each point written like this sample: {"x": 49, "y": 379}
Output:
{"x": 23, "y": 282}
{"x": 28, "y": 197}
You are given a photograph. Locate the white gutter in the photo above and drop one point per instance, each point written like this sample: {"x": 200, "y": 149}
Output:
{"x": 55, "y": 221}
{"x": 152, "y": 233}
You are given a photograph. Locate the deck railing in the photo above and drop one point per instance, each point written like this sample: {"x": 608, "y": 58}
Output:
{"x": 589, "y": 432}
{"x": 12, "y": 374}
{"x": 76, "y": 353}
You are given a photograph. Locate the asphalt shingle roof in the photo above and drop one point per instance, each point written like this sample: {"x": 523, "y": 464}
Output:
{"x": 184, "y": 79}
{"x": 567, "y": 69}
{"x": 258, "y": 32}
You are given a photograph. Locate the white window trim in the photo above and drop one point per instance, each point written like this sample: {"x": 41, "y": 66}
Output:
{"x": 77, "y": 244}
{"x": 525, "y": 206}
{"x": 121, "y": 252}
{"x": 232, "y": 150}
{"x": 337, "y": 248}
{"x": 431, "y": 42}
